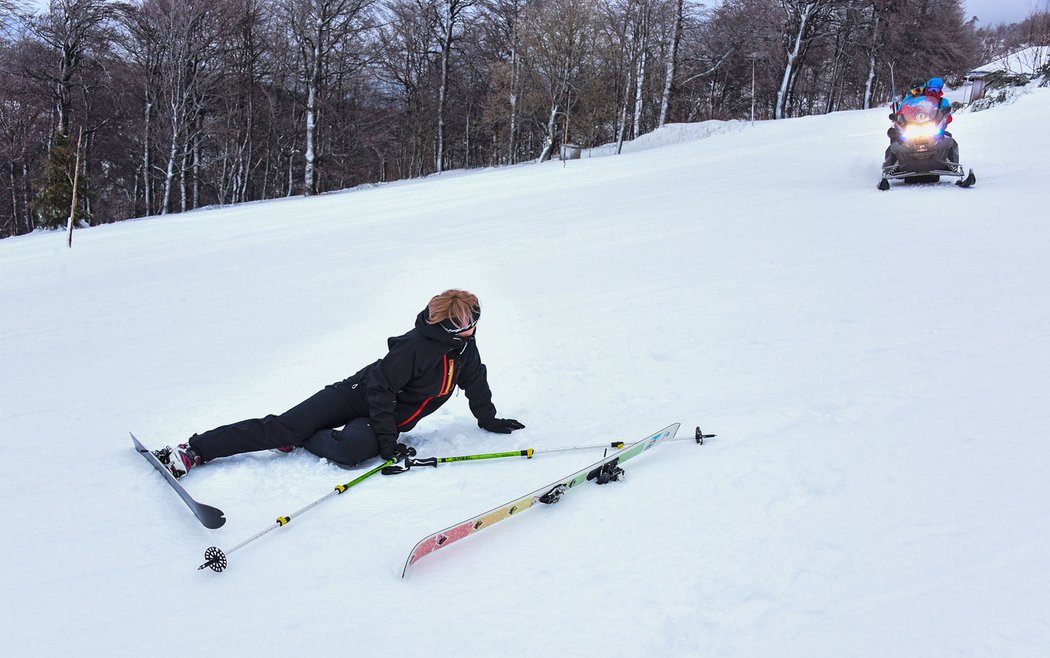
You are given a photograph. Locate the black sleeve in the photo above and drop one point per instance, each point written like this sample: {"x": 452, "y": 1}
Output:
{"x": 388, "y": 377}
{"x": 474, "y": 382}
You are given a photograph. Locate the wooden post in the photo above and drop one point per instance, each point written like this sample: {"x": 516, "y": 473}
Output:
{"x": 76, "y": 178}
{"x": 565, "y": 130}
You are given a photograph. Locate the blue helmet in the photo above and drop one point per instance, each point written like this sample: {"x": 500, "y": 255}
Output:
{"x": 935, "y": 85}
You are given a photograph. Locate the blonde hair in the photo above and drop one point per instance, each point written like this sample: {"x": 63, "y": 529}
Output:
{"x": 458, "y": 306}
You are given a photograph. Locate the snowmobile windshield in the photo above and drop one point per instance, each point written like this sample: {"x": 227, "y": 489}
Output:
{"x": 918, "y": 110}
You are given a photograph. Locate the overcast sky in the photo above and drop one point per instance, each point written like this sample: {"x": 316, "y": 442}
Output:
{"x": 993, "y": 12}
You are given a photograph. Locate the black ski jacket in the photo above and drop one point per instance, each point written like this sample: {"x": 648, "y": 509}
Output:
{"x": 418, "y": 375}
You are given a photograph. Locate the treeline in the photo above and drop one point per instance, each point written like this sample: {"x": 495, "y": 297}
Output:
{"x": 995, "y": 42}
{"x": 170, "y": 105}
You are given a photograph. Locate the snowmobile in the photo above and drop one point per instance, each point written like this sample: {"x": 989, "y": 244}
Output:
{"x": 923, "y": 151}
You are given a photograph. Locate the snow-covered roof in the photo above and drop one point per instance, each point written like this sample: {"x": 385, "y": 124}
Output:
{"x": 1023, "y": 61}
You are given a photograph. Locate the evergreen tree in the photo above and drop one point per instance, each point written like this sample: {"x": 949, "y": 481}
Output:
{"x": 53, "y": 202}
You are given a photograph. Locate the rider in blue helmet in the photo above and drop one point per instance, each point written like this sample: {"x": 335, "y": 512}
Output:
{"x": 935, "y": 90}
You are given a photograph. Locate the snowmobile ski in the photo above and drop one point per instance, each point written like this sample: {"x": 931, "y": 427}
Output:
{"x": 606, "y": 470}
{"x": 963, "y": 181}
{"x": 968, "y": 181}
{"x": 210, "y": 517}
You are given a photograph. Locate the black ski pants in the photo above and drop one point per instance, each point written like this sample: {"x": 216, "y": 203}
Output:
{"x": 308, "y": 424}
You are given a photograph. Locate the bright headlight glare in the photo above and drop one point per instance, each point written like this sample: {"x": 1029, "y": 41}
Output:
{"x": 920, "y": 130}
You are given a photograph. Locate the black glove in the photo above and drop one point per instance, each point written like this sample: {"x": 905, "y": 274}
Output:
{"x": 500, "y": 425}
{"x": 389, "y": 449}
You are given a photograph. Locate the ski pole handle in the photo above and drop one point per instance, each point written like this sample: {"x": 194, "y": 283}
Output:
{"x": 527, "y": 453}
{"x": 434, "y": 461}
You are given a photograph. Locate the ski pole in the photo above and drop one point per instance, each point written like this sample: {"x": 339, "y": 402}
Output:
{"x": 893, "y": 88}
{"x": 214, "y": 557}
{"x": 699, "y": 438}
{"x": 529, "y": 452}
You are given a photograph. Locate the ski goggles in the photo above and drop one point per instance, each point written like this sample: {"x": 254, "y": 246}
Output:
{"x": 450, "y": 326}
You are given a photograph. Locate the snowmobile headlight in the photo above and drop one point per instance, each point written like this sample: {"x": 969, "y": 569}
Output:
{"x": 921, "y": 130}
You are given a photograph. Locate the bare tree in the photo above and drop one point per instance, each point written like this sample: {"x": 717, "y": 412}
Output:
{"x": 677, "y": 22}
{"x": 406, "y": 66}
{"x": 451, "y": 15}
{"x": 9, "y": 13}
{"x": 718, "y": 53}
{"x": 24, "y": 125}
{"x": 184, "y": 70}
{"x": 802, "y": 18}
{"x": 67, "y": 28}
{"x": 141, "y": 40}
{"x": 242, "y": 63}
{"x": 878, "y": 12}
{"x": 641, "y": 33}
{"x": 319, "y": 28}
{"x": 503, "y": 26}
{"x": 559, "y": 38}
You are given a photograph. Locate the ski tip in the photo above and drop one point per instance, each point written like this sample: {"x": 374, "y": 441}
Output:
{"x": 210, "y": 517}
{"x": 968, "y": 181}
{"x": 137, "y": 443}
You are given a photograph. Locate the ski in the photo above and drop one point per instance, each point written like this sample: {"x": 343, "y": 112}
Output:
{"x": 963, "y": 179}
{"x": 210, "y": 517}
{"x": 606, "y": 470}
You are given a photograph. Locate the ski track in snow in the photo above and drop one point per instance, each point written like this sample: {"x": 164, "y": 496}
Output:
{"x": 874, "y": 364}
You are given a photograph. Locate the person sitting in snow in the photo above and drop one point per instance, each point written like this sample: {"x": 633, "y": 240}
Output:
{"x": 372, "y": 407}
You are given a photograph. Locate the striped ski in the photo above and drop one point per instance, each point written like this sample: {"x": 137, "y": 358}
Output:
{"x": 602, "y": 471}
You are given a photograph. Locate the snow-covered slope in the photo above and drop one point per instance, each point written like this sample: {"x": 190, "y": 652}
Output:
{"x": 875, "y": 366}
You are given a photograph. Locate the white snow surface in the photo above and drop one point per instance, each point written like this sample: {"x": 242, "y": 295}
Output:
{"x": 875, "y": 365}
